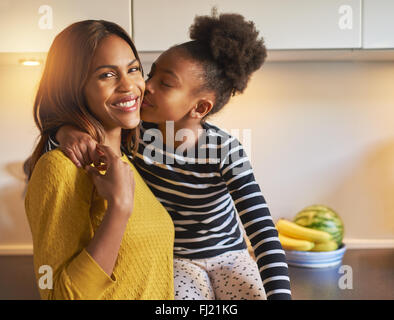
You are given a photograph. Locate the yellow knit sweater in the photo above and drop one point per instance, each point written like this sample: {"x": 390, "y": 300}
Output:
{"x": 64, "y": 210}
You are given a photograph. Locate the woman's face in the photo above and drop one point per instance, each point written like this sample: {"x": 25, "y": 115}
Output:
{"x": 170, "y": 88}
{"x": 115, "y": 85}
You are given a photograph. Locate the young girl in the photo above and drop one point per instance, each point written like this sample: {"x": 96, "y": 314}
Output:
{"x": 209, "y": 172}
{"x": 95, "y": 236}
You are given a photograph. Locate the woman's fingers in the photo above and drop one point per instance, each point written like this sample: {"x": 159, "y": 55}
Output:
{"x": 107, "y": 153}
{"x": 117, "y": 184}
{"x": 101, "y": 167}
{"x": 94, "y": 173}
{"x": 95, "y": 154}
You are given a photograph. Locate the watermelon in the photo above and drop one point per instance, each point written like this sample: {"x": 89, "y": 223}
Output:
{"x": 323, "y": 218}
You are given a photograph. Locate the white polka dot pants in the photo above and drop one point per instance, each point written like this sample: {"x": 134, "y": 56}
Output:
{"x": 233, "y": 275}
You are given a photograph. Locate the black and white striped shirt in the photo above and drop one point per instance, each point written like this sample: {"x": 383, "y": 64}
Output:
{"x": 203, "y": 188}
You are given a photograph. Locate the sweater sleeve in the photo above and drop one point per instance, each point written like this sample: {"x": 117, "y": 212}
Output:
{"x": 57, "y": 205}
{"x": 255, "y": 216}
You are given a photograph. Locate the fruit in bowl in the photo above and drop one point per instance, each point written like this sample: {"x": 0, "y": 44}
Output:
{"x": 315, "y": 228}
{"x": 322, "y": 218}
{"x": 314, "y": 238}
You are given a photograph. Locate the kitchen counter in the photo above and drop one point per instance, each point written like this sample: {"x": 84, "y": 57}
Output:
{"x": 370, "y": 275}
{"x": 372, "y": 278}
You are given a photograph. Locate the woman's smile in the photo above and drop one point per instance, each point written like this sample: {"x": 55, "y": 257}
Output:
{"x": 128, "y": 103}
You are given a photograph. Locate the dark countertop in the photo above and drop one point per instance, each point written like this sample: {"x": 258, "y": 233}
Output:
{"x": 372, "y": 275}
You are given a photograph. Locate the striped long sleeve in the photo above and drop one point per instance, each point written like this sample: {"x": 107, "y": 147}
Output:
{"x": 255, "y": 216}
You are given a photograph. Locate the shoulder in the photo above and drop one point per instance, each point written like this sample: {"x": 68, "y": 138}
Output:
{"x": 223, "y": 137}
{"x": 55, "y": 160}
{"x": 55, "y": 168}
{"x": 148, "y": 125}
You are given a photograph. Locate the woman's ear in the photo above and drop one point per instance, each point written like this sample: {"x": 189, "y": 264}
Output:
{"x": 202, "y": 108}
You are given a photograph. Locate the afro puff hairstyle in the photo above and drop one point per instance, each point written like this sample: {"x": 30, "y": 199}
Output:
{"x": 229, "y": 51}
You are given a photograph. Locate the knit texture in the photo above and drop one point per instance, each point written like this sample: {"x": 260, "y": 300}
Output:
{"x": 64, "y": 210}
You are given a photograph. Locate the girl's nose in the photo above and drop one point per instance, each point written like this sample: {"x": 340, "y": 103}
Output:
{"x": 148, "y": 86}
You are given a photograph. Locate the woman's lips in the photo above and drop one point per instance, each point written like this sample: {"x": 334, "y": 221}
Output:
{"x": 127, "y": 105}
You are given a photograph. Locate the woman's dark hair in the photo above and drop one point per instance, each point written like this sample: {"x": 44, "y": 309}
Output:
{"x": 60, "y": 99}
{"x": 229, "y": 51}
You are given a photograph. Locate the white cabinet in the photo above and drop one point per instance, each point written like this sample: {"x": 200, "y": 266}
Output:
{"x": 31, "y": 25}
{"x": 378, "y": 24}
{"x": 284, "y": 24}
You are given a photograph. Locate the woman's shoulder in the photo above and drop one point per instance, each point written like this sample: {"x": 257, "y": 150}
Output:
{"x": 55, "y": 164}
{"x": 55, "y": 159}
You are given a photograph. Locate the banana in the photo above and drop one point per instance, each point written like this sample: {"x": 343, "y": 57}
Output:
{"x": 296, "y": 231}
{"x": 325, "y": 246}
{"x": 295, "y": 244}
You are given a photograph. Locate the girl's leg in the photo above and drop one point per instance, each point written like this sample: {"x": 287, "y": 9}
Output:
{"x": 235, "y": 276}
{"x": 191, "y": 281}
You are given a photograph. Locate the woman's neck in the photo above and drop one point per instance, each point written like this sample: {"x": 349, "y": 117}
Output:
{"x": 113, "y": 139}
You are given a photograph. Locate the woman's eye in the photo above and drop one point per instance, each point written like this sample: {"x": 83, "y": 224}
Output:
{"x": 107, "y": 75}
{"x": 134, "y": 69}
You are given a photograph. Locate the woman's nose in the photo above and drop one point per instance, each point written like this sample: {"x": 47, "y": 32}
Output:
{"x": 126, "y": 83}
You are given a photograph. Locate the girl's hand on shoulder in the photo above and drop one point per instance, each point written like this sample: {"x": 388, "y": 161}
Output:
{"x": 78, "y": 146}
{"x": 117, "y": 184}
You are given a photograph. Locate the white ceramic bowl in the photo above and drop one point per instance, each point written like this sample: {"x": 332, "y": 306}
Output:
{"x": 310, "y": 259}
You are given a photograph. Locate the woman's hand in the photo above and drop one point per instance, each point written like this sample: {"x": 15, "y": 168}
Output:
{"x": 117, "y": 184}
{"x": 117, "y": 187}
{"x": 78, "y": 146}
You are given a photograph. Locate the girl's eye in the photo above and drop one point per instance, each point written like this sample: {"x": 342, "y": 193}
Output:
{"x": 166, "y": 84}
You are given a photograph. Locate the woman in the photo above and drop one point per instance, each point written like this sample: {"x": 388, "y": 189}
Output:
{"x": 104, "y": 236}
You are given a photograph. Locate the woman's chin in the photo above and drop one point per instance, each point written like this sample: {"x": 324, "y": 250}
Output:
{"x": 131, "y": 124}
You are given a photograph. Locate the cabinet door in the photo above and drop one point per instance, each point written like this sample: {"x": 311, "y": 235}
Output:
{"x": 378, "y": 24}
{"x": 285, "y": 24}
{"x": 30, "y": 26}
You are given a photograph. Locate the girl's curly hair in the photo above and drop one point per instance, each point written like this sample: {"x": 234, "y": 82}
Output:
{"x": 229, "y": 50}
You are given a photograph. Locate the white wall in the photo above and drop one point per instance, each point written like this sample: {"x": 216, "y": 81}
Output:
{"x": 17, "y": 136}
{"x": 322, "y": 132}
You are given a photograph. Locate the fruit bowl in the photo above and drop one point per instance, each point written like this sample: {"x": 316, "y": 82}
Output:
{"x": 309, "y": 259}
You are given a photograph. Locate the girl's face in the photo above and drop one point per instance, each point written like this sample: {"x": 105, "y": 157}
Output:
{"x": 115, "y": 86}
{"x": 170, "y": 92}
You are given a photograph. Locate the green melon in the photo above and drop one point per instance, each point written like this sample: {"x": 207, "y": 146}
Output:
{"x": 323, "y": 218}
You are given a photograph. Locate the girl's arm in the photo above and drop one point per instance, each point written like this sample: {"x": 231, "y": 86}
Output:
{"x": 77, "y": 145}
{"x": 237, "y": 172}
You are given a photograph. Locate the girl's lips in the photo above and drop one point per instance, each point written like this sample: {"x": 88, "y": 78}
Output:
{"x": 145, "y": 103}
